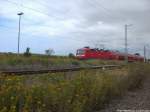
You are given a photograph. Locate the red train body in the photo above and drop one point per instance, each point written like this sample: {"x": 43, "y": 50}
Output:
{"x": 87, "y": 53}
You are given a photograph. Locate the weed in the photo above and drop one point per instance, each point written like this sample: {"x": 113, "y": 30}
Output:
{"x": 87, "y": 91}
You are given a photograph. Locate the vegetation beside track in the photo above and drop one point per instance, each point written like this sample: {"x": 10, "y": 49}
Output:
{"x": 11, "y": 60}
{"x": 82, "y": 91}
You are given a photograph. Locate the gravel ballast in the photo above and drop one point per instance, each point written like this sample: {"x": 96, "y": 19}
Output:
{"x": 133, "y": 101}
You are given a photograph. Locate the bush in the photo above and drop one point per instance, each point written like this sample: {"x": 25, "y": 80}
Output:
{"x": 137, "y": 73}
{"x": 71, "y": 55}
{"x": 27, "y": 53}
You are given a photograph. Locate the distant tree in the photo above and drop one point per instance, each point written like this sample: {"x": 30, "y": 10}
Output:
{"x": 49, "y": 52}
{"x": 27, "y": 53}
{"x": 9, "y": 53}
{"x": 71, "y": 55}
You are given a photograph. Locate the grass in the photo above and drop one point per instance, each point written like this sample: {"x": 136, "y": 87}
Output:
{"x": 10, "y": 60}
{"x": 83, "y": 91}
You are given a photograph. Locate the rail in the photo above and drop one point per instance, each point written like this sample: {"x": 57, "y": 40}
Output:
{"x": 56, "y": 70}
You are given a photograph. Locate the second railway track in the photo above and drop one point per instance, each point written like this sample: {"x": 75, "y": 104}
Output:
{"x": 55, "y": 70}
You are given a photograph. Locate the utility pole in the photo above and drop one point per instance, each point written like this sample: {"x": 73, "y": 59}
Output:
{"x": 19, "y": 14}
{"x": 144, "y": 53}
{"x": 126, "y": 42}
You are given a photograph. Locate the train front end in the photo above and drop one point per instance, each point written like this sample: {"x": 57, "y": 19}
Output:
{"x": 81, "y": 53}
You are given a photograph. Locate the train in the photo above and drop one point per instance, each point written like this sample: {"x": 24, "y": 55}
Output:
{"x": 95, "y": 53}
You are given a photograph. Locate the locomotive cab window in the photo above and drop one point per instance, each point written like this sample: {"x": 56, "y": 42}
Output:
{"x": 80, "y": 52}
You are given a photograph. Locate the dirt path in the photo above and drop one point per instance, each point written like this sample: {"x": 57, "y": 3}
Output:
{"x": 135, "y": 101}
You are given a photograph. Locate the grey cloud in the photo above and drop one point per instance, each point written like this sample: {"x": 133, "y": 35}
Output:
{"x": 88, "y": 21}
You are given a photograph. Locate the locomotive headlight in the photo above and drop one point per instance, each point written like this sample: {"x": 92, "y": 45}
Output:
{"x": 80, "y": 55}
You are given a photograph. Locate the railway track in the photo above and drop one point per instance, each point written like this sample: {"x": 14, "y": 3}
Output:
{"x": 56, "y": 70}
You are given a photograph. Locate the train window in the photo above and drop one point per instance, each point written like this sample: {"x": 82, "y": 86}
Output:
{"x": 80, "y": 52}
{"x": 94, "y": 50}
{"x": 106, "y": 51}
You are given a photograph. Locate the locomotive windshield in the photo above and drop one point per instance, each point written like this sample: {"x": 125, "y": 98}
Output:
{"x": 80, "y": 52}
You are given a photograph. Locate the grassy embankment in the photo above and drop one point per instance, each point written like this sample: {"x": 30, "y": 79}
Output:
{"x": 10, "y": 61}
{"x": 85, "y": 91}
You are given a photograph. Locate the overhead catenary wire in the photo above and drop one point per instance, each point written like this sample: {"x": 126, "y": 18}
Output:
{"x": 41, "y": 12}
{"x": 45, "y": 5}
{"x": 104, "y": 8}
{"x": 29, "y": 8}
{"x": 97, "y": 4}
{"x": 92, "y": 4}
{"x": 107, "y": 12}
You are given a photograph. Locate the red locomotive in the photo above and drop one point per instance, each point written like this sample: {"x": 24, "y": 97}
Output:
{"x": 88, "y": 53}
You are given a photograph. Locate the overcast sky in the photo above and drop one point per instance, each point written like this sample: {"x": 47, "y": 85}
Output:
{"x": 66, "y": 25}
